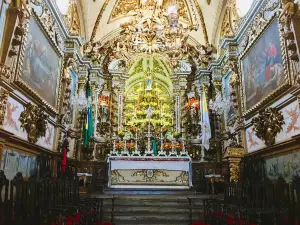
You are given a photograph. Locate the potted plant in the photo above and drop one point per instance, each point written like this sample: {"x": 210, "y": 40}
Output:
{"x": 119, "y": 146}
{"x": 121, "y": 134}
{"x": 167, "y": 146}
{"x": 177, "y": 135}
{"x": 132, "y": 129}
{"x": 164, "y": 129}
{"x": 130, "y": 146}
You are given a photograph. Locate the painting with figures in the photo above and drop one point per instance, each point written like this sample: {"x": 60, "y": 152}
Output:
{"x": 262, "y": 67}
{"x": 287, "y": 166}
{"x": 12, "y": 124}
{"x": 13, "y": 162}
{"x": 228, "y": 89}
{"x": 41, "y": 67}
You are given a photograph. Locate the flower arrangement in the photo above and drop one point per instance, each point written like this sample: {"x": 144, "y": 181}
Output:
{"x": 164, "y": 129}
{"x": 177, "y": 134}
{"x": 144, "y": 104}
{"x": 148, "y": 95}
{"x": 119, "y": 145}
{"x": 130, "y": 145}
{"x": 167, "y": 146}
{"x": 167, "y": 115}
{"x": 132, "y": 129}
{"x": 153, "y": 104}
{"x": 178, "y": 146}
{"x": 129, "y": 106}
{"x": 121, "y": 133}
{"x": 140, "y": 113}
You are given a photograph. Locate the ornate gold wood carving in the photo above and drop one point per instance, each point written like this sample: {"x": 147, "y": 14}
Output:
{"x": 268, "y": 124}
{"x": 234, "y": 156}
{"x": 3, "y": 101}
{"x": 72, "y": 19}
{"x": 34, "y": 121}
{"x": 5, "y": 73}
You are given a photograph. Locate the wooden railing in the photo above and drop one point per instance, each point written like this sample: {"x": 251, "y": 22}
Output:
{"x": 256, "y": 202}
{"x": 48, "y": 201}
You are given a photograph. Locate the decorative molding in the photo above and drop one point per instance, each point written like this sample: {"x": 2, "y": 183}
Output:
{"x": 5, "y": 73}
{"x": 202, "y": 21}
{"x": 34, "y": 121}
{"x": 3, "y": 101}
{"x": 97, "y": 23}
{"x": 268, "y": 124}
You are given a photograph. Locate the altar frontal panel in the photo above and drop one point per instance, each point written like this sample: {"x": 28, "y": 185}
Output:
{"x": 149, "y": 173}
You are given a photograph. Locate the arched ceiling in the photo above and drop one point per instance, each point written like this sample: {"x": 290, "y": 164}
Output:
{"x": 103, "y": 18}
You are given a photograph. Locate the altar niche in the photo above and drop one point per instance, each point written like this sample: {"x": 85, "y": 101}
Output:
{"x": 148, "y": 120}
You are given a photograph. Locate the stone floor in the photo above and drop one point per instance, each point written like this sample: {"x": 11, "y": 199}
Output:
{"x": 156, "y": 207}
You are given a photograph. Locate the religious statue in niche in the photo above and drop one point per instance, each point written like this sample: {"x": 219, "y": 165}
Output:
{"x": 194, "y": 116}
{"x": 149, "y": 82}
{"x": 104, "y": 101}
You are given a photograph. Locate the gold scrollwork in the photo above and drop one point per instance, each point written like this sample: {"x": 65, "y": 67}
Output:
{"x": 268, "y": 124}
{"x": 34, "y": 121}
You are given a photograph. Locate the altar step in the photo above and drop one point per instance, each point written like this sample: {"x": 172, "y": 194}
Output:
{"x": 154, "y": 209}
{"x": 116, "y": 191}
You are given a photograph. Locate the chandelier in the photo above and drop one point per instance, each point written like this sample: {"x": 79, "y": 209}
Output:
{"x": 79, "y": 100}
{"x": 219, "y": 105}
{"x": 155, "y": 29}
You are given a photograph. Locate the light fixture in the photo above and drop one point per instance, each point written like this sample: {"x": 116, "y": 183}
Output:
{"x": 219, "y": 105}
{"x": 79, "y": 100}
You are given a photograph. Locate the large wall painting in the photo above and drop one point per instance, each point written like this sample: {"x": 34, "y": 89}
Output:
{"x": 286, "y": 166}
{"x": 13, "y": 162}
{"x": 41, "y": 67}
{"x": 262, "y": 67}
{"x": 228, "y": 89}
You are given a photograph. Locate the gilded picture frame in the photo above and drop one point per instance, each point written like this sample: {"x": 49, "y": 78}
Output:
{"x": 45, "y": 89}
{"x": 269, "y": 82}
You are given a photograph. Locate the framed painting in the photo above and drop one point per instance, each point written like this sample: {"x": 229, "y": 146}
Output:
{"x": 262, "y": 67}
{"x": 41, "y": 64}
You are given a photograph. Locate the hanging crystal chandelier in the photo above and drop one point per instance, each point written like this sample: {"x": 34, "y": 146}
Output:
{"x": 79, "y": 100}
{"x": 219, "y": 105}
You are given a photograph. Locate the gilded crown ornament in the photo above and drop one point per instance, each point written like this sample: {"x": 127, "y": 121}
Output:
{"x": 268, "y": 124}
{"x": 34, "y": 121}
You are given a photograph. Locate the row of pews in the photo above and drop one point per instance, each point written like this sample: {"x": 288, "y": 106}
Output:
{"x": 251, "y": 202}
{"x": 48, "y": 201}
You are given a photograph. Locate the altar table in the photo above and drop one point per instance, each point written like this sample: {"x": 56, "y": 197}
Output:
{"x": 149, "y": 172}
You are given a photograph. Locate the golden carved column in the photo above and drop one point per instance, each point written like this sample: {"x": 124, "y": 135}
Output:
{"x": 3, "y": 101}
{"x": 233, "y": 156}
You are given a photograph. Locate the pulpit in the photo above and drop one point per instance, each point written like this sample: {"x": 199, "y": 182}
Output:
{"x": 149, "y": 172}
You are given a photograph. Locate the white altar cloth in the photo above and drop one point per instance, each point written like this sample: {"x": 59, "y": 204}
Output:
{"x": 149, "y": 172}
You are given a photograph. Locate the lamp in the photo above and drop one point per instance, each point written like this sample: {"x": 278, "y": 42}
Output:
{"x": 219, "y": 105}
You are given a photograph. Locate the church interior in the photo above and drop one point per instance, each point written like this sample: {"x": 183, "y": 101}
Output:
{"x": 124, "y": 112}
